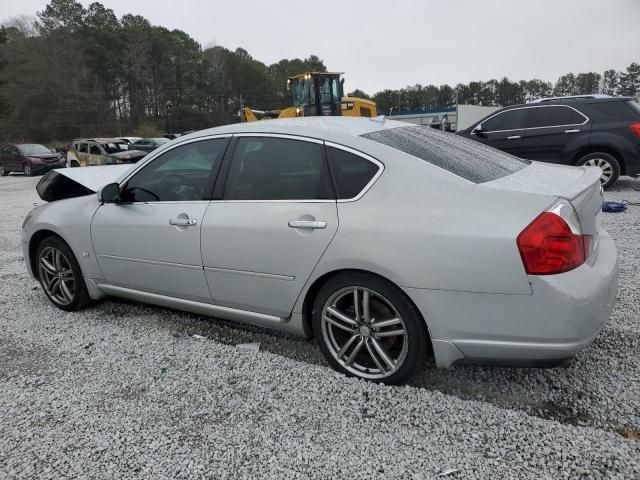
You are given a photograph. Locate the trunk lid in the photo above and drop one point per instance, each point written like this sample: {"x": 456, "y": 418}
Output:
{"x": 580, "y": 185}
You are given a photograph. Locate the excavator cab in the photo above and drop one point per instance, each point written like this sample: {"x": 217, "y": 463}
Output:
{"x": 316, "y": 93}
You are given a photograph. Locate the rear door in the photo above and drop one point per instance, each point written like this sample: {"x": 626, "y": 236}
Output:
{"x": 504, "y": 130}
{"x": 554, "y": 133}
{"x": 272, "y": 217}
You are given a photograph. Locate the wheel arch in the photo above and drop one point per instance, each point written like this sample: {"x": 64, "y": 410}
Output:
{"x": 587, "y": 149}
{"x": 316, "y": 285}
{"x": 35, "y": 240}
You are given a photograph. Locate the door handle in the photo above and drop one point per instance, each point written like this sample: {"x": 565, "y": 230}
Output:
{"x": 574, "y": 130}
{"x": 514, "y": 137}
{"x": 183, "y": 222}
{"x": 307, "y": 224}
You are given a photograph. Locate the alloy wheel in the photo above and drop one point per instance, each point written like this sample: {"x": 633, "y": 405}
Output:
{"x": 364, "y": 332}
{"x": 605, "y": 166}
{"x": 57, "y": 276}
{"x": 27, "y": 169}
{"x": 2, "y": 171}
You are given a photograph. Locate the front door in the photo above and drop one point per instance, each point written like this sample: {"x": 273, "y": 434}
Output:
{"x": 274, "y": 218}
{"x": 504, "y": 131}
{"x": 151, "y": 241}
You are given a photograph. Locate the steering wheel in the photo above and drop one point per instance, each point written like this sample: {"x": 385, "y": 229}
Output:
{"x": 180, "y": 185}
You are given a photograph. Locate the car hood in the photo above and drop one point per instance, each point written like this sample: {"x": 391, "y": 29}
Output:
{"x": 129, "y": 154}
{"x": 74, "y": 182}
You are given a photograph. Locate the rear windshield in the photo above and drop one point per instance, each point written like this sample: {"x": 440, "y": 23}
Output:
{"x": 463, "y": 157}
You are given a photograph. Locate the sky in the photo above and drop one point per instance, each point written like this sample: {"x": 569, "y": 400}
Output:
{"x": 391, "y": 44}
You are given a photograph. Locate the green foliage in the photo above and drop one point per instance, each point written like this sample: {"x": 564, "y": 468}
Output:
{"x": 80, "y": 71}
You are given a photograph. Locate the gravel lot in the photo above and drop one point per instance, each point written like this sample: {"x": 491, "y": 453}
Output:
{"x": 124, "y": 390}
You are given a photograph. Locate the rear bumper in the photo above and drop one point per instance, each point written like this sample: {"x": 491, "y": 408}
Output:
{"x": 562, "y": 316}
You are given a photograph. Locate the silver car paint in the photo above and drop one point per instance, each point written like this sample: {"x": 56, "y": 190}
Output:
{"x": 456, "y": 257}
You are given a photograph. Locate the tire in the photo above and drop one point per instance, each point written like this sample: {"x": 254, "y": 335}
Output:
{"x": 350, "y": 346}
{"x": 71, "y": 292}
{"x": 26, "y": 168}
{"x": 609, "y": 164}
{"x": 3, "y": 171}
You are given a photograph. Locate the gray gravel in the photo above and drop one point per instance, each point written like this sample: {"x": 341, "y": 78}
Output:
{"x": 124, "y": 390}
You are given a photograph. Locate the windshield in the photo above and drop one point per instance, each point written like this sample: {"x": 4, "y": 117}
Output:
{"x": 33, "y": 149}
{"x": 160, "y": 141}
{"x": 302, "y": 91}
{"x": 463, "y": 157}
{"x": 114, "y": 147}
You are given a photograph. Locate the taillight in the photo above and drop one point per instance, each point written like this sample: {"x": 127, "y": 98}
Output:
{"x": 553, "y": 243}
{"x": 635, "y": 129}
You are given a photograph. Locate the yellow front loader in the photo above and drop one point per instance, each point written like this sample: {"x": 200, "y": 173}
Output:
{"x": 315, "y": 94}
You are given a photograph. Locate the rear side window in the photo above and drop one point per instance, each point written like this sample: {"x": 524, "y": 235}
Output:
{"x": 463, "y": 157}
{"x": 629, "y": 110}
{"x": 351, "y": 173}
{"x": 509, "y": 120}
{"x": 270, "y": 168}
{"x": 553, "y": 116}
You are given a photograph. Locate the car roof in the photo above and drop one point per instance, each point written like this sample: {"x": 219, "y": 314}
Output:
{"x": 585, "y": 99}
{"x": 99, "y": 140}
{"x": 329, "y": 128}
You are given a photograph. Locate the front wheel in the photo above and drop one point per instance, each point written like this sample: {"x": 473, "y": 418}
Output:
{"x": 26, "y": 168}
{"x": 60, "y": 275}
{"x": 606, "y": 162}
{"x": 3, "y": 171}
{"x": 367, "y": 328}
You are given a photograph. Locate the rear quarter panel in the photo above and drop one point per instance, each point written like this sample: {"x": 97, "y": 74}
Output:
{"x": 422, "y": 227}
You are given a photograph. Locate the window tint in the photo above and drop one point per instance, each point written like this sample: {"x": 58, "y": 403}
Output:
{"x": 351, "y": 173}
{"x": 181, "y": 174}
{"x": 267, "y": 168}
{"x": 461, "y": 156}
{"x": 553, "y": 116}
{"x": 617, "y": 110}
{"x": 509, "y": 120}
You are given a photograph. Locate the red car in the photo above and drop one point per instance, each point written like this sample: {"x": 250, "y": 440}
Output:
{"x": 29, "y": 158}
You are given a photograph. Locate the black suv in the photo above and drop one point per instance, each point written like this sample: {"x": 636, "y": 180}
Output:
{"x": 595, "y": 130}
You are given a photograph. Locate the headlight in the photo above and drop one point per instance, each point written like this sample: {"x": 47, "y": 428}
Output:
{"x": 27, "y": 217}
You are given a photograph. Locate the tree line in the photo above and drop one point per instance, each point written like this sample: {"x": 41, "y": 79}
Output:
{"x": 75, "y": 71}
{"x": 504, "y": 92}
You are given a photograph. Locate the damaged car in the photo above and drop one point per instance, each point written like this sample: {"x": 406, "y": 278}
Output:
{"x": 390, "y": 243}
{"x": 101, "y": 151}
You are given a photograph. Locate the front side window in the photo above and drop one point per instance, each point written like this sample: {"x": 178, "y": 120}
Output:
{"x": 94, "y": 149}
{"x": 508, "y": 120}
{"x": 351, "y": 173}
{"x": 270, "y": 168}
{"x": 554, "y": 116}
{"x": 183, "y": 173}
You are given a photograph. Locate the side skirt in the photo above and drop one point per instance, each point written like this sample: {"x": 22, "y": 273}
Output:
{"x": 241, "y": 316}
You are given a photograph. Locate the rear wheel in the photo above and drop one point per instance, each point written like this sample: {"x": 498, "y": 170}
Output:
{"x": 60, "y": 275}
{"x": 26, "y": 168}
{"x": 606, "y": 162}
{"x": 366, "y": 327}
{"x": 3, "y": 171}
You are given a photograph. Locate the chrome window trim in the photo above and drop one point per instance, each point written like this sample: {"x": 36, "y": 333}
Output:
{"x": 365, "y": 156}
{"x": 534, "y": 128}
{"x": 280, "y": 135}
{"x": 155, "y": 154}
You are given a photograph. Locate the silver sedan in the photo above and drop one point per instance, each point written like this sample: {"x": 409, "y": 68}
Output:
{"x": 390, "y": 243}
